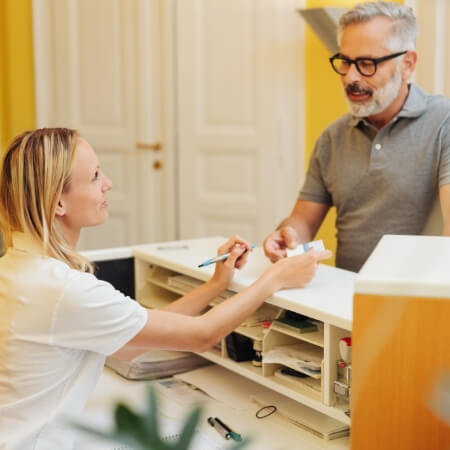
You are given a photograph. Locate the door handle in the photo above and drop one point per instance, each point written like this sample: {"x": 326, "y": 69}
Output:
{"x": 155, "y": 146}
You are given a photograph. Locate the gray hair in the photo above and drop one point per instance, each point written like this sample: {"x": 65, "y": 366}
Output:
{"x": 404, "y": 27}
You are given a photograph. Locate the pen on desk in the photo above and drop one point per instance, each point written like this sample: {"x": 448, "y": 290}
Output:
{"x": 219, "y": 428}
{"x": 233, "y": 435}
{"x": 218, "y": 258}
{"x": 172, "y": 247}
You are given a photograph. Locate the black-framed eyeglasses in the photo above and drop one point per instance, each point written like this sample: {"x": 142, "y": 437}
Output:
{"x": 365, "y": 66}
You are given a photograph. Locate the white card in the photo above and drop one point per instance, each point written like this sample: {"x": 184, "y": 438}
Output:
{"x": 302, "y": 248}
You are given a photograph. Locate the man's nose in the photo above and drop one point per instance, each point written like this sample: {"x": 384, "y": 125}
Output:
{"x": 352, "y": 75}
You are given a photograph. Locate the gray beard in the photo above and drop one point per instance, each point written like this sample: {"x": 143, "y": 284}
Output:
{"x": 380, "y": 100}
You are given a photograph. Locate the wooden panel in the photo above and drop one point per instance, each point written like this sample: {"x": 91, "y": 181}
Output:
{"x": 433, "y": 64}
{"x": 100, "y": 73}
{"x": 446, "y": 55}
{"x": 400, "y": 350}
{"x": 238, "y": 114}
{"x": 227, "y": 72}
{"x": 214, "y": 225}
{"x": 216, "y": 166}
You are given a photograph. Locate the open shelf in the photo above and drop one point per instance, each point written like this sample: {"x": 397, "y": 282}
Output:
{"x": 157, "y": 301}
{"x": 313, "y": 337}
{"x": 255, "y": 333}
{"x": 160, "y": 281}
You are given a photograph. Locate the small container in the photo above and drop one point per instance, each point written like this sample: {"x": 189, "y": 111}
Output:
{"x": 257, "y": 347}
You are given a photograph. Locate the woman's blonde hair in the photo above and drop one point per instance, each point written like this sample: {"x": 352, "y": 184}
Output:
{"x": 36, "y": 170}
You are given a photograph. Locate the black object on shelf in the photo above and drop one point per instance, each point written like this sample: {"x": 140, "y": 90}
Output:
{"x": 118, "y": 272}
{"x": 239, "y": 347}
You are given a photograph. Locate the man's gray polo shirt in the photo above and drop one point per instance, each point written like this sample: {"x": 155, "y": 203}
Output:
{"x": 383, "y": 182}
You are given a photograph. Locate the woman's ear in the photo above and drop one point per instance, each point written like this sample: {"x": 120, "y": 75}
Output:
{"x": 60, "y": 209}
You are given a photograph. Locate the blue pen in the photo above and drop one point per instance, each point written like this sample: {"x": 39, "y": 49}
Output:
{"x": 218, "y": 258}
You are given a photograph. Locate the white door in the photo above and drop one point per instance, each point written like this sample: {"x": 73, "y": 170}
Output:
{"x": 239, "y": 115}
{"x": 222, "y": 91}
{"x": 97, "y": 65}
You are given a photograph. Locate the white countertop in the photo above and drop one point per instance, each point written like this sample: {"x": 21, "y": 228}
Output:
{"x": 417, "y": 266}
{"x": 329, "y": 297}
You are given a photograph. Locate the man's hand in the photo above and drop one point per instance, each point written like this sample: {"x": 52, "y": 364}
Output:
{"x": 276, "y": 243}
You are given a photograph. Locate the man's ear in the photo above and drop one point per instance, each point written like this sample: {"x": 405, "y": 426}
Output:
{"x": 409, "y": 64}
{"x": 60, "y": 209}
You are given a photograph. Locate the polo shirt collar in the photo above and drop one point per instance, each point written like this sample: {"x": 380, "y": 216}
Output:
{"x": 26, "y": 243}
{"x": 415, "y": 105}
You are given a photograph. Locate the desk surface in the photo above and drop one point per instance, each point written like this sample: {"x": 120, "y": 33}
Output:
{"x": 407, "y": 265}
{"x": 329, "y": 296}
{"x": 272, "y": 433}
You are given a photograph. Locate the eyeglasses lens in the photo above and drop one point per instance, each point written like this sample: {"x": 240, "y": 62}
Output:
{"x": 365, "y": 66}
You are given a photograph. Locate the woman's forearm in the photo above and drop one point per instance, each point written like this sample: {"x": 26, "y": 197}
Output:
{"x": 225, "y": 317}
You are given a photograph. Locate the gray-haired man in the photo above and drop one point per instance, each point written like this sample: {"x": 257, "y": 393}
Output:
{"x": 385, "y": 163}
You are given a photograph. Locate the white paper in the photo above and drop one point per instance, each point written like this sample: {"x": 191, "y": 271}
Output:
{"x": 223, "y": 385}
{"x": 302, "y": 248}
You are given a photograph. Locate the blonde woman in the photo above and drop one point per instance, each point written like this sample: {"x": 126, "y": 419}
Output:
{"x": 58, "y": 322}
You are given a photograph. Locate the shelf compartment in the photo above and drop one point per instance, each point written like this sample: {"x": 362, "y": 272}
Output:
{"x": 157, "y": 297}
{"x": 308, "y": 386}
{"x": 313, "y": 337}
{"x": 256, "y": 333}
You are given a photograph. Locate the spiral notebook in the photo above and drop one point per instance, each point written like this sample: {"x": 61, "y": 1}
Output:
{"x": 168, "y": 438}
{"x": 202, "y": 441}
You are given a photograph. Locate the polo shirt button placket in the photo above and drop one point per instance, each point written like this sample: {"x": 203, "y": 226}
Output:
{"x": 377, "y": 146}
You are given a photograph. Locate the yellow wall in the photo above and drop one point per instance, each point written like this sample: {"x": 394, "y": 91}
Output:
{"x": 17, "y": 112}
{"x": 324, "y": 99}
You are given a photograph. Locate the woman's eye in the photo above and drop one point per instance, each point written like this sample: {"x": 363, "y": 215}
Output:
{"x": 96, "y": 175}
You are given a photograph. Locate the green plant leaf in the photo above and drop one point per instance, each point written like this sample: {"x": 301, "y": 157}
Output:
{"x": 130, "y": 423}
{"x": 188, "y": 431}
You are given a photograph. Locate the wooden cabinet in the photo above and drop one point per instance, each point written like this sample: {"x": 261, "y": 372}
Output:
{"x": 401, "y": 354}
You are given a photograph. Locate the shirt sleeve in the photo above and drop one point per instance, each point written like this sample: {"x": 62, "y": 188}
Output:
{"x": 314, "y": 188}
{"x": 93, "y": 315}
{"x": 444, "y": 166}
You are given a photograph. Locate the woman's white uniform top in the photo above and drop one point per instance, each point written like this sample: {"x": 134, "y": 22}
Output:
{"x": 57, "y": 325}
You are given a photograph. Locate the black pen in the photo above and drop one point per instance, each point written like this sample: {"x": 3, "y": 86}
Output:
{"x": 232, "y": 434}
{"x": 218, "y": 426}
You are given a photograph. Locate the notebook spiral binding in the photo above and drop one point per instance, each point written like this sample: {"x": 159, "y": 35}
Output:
{"x": 168, "y": 438}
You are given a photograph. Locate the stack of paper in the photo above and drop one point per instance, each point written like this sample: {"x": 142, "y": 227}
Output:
{"x": 264, "y": 313}
{"x": 301, "y": 356}
{"x": 186, "y": 284}
{"x": 156, "y": 364}
{"x": 183, "y": 283}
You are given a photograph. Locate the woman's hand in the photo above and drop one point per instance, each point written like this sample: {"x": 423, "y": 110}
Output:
{"x": 238, "y": 249}
{"x": 296, "y": 271}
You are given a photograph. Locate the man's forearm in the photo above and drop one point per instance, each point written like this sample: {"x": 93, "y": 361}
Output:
{"x": 306, "y": 218}
{"x": 302, "y": 228}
